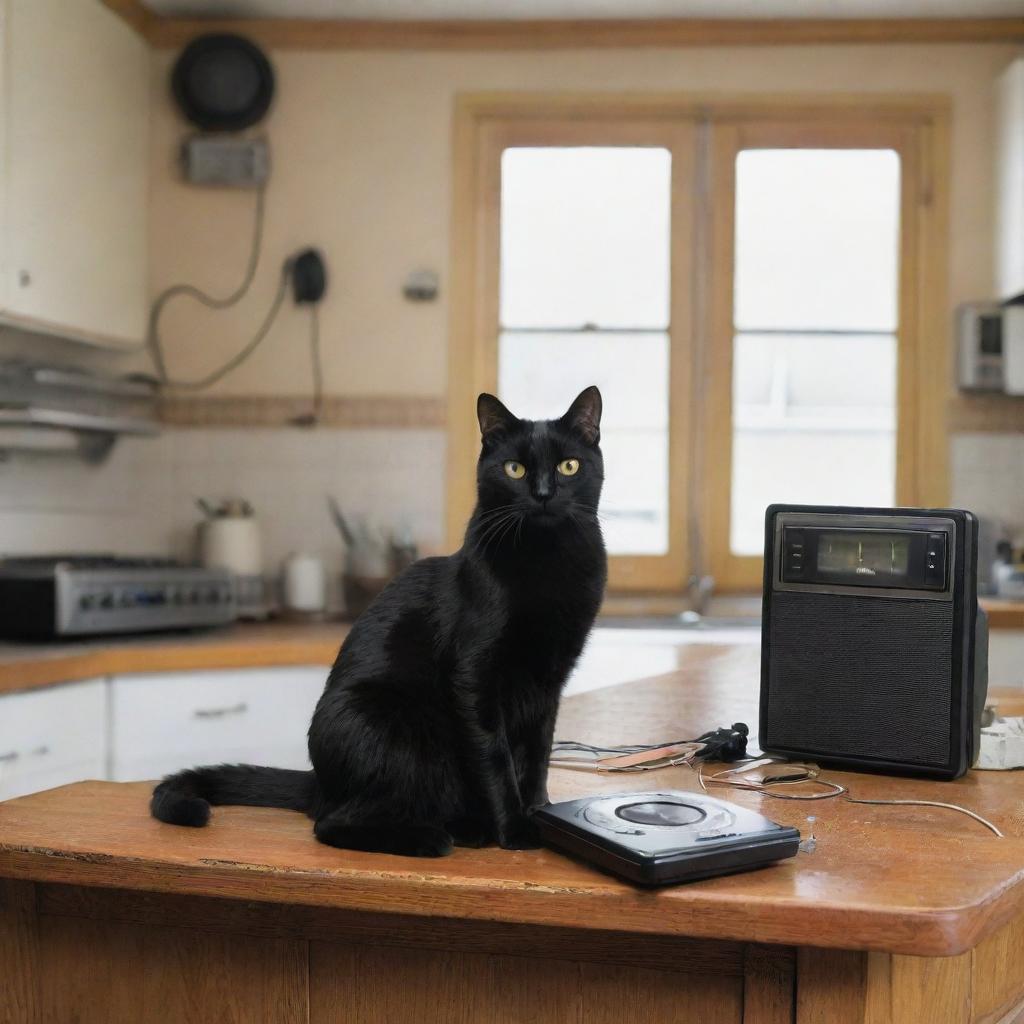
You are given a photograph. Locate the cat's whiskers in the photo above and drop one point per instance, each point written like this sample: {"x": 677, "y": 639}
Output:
{"x": 592, "y": 510}
{"x": 511, "y": 526}
{"x": 582, "y": 530}
{"x": 493, "y": 529}
{"x": 490, "y": 514}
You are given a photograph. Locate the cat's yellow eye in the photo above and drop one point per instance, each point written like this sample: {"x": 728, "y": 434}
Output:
{"x": 516, "y": 470}
{"x": 569, "y": 467}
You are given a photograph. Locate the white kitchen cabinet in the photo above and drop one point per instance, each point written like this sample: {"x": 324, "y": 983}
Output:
{"x": 1010, "y": 182}
{"x": 73, "y": 181}
{"x": 171, "y": 720}
{"x": 52, "y": 736}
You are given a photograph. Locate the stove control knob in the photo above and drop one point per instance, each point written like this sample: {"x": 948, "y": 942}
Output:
{"x": 87, "y": 602}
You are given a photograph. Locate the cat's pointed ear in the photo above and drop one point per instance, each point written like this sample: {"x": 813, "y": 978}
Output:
{"x": 493, "y": 416}
{"x": 584, "y": 415}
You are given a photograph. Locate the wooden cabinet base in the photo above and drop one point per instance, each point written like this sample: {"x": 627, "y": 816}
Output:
{"x": 119, "y": 957}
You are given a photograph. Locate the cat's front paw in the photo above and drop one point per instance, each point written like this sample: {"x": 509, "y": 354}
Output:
{"x": 520, "y": 834}
{"x": 467, "y": 831}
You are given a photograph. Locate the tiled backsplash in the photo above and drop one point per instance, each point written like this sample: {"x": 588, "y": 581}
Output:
{"x": 142, "y": 500}
{"x": 987, "y": 477}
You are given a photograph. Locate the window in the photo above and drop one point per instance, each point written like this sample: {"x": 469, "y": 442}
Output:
{"x": 815, "y": 319}
{"x": 584, "y": 299}
{"x": 757, "y": 288}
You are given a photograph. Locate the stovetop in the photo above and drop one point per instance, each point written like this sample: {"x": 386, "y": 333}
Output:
{"x": 97, "y": 561}
{"x": 56, "y": 595}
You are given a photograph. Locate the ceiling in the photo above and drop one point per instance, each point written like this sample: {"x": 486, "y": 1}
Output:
{"x": 514, "y": 10}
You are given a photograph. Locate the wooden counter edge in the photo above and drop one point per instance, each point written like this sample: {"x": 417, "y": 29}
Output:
{"x": 165, "y": 655}
{"x": 1004, "y": 613}
{"x": 934, "y": 933}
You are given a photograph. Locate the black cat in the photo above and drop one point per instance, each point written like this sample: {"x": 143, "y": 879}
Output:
{"x": 436, "y": 722}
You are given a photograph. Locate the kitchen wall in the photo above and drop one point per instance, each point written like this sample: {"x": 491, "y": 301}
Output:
{"x": 361, "y": 168}
{"x": 362, "y": 155}
{"x": 361, "y": 151}
{"x": 143, "y": 499}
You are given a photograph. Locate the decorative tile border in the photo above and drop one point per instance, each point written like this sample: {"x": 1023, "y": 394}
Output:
{"x": 385, "y": 411}
{"x": 981, "y": 413}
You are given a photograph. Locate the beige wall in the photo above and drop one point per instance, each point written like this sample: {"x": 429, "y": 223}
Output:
{"x": 361, "y": 153}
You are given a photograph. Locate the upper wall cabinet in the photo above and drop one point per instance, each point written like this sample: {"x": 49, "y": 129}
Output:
{"x": 73, "y": 181}
{"x": 1010, "y": 185}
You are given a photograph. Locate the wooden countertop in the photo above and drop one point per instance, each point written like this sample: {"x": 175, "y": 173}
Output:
{"x": 1004, "y": 613}
{"x": 912, "y": 880}
{"x": 244, "y": 645}
{"x": 24, "y": 666}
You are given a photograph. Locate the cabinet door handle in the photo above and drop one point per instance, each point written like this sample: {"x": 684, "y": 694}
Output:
{"x": 234, "y": 709}
{"x": 11, "y": 755}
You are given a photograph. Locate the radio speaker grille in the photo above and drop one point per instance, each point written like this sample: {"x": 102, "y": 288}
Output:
{"x": 860, "y": 677}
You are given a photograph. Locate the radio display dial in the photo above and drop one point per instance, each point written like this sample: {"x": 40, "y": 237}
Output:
{"x": 866, "y": 555}
{"x": 853, "y": 557}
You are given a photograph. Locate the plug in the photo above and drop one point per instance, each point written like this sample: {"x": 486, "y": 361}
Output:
{"x": 309, "y": 277}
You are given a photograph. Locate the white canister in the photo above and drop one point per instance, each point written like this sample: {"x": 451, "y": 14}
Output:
{"x": 304, "y": 583}
{"x": 232, "y": 543}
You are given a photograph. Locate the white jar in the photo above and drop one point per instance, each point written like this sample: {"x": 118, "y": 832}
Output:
{"x": 304, "y": 586}
{"x": 232, "y": 543}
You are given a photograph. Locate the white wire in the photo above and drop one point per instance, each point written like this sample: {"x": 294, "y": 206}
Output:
{"x": 935, "y": 803}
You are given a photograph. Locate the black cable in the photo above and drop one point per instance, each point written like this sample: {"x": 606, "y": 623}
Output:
{"x": 314, "y": 351}
{"x": 312, "y": 418}
{"x": 212, "y": 302}
{"x": 719, "y": 744}
{"x": 235, "y": 361}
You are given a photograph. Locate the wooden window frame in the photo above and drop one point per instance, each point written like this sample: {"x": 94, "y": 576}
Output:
{"x": 704, "y": 133}
{"x": 921, "y": 334}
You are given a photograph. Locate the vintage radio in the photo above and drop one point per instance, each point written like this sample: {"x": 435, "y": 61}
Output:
{"x": 874, "y": 650}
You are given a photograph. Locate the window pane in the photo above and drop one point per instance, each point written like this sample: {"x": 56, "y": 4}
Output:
{"x": 817, "y": 233}
{"x": 538, "y": 376}
{"x": 814, "y": 422}
{"x": 814, "y": 356}
{"x": 585, "y": 237}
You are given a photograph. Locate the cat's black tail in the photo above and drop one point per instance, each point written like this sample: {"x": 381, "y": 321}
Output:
{"x": 185, "y": 797}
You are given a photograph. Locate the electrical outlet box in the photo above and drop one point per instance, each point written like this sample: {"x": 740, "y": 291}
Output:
{"x": 215, "y": 160}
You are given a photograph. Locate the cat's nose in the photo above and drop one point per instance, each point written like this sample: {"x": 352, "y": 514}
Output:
{"x": 543, "y": 491}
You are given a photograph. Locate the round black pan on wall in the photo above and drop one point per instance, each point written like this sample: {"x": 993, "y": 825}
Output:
{"x": 223, "y": 83}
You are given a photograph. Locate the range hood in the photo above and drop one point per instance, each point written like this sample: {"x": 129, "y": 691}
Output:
{"x": 56, "y": 409}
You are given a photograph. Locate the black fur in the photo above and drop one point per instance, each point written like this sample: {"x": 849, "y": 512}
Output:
{"x": 436, "y": 723}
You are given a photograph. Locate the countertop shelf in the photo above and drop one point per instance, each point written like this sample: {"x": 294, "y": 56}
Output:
{"x": 244, "y": 645}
